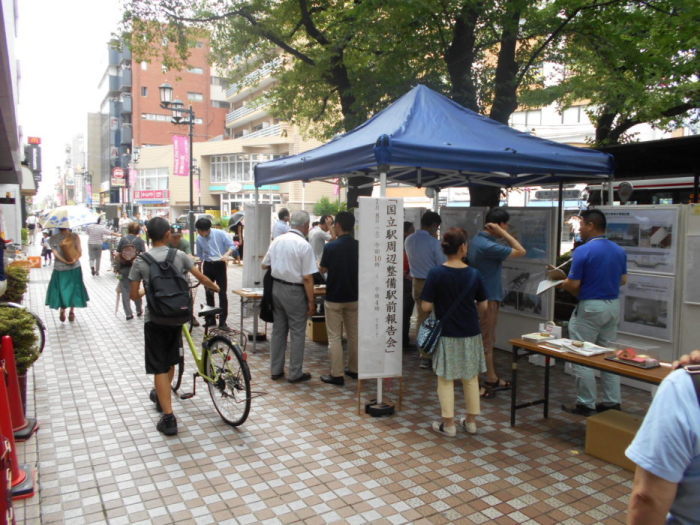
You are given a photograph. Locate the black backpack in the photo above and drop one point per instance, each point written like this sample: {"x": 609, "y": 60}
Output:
{"x": 167, "y": 291}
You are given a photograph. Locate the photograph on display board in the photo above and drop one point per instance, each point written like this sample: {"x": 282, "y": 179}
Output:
{"x": 646, "y": 306}
{"x": 471, "y": 219}
{"x": 533, "y": 229}
{"x": 648, "y": 236}
{"x": 691, "y": 283}
{"x": 520, "y": 280}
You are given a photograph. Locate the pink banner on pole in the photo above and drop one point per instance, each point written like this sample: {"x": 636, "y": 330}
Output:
{"x": 181, "y": 156}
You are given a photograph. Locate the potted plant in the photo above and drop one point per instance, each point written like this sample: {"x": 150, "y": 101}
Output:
{"x": 19, "y": 324}
{"x": 17, "y": 279}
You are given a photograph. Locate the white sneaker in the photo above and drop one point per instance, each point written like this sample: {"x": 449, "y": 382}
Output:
{"x": 440, "y": 428}
{"x": 469, "y": 428}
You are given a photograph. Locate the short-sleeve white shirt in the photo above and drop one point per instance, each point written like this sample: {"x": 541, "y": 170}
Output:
{"x": 291, "y": 257}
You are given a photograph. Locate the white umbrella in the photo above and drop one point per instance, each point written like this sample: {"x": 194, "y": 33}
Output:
{"x": 69, "y": 217}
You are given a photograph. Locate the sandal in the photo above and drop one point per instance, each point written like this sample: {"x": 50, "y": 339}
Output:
{"x": 62, "y": 315}
{"x": 498, "y": 384}
{"x": 486, "y": 393}
{"x": 71, "y": 317}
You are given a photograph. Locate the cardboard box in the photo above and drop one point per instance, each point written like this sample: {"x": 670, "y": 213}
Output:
{"x": 316, "y": 329}
{"x": 608, "y": 435}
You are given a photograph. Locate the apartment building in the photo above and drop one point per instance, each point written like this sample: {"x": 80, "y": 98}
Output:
{"x": 132, "y": 119}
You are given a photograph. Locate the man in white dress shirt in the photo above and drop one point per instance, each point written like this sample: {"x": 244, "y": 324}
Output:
{"x": 282, "y": 225}
{"x": 293, "y": 264}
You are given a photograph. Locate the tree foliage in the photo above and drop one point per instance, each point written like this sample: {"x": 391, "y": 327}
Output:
{"x": 324, "y": 206}
{"x": 632, "y": 63}
{"x": 342, "y": 61}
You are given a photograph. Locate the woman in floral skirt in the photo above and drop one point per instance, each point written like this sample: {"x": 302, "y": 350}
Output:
{"x": 66, "y": 288}
{"x": 459, "y": 354}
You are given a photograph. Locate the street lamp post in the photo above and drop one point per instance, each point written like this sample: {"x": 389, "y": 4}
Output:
{"x": 179, "y": 114}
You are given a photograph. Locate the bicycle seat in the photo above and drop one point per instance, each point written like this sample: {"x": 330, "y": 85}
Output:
{"x": 209, "y": 311}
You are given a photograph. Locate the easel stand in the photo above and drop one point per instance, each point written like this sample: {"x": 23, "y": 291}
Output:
{"x": 380, "y": 406}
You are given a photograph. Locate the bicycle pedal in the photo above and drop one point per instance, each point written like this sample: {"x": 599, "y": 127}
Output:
{"x": 187, "y": 395}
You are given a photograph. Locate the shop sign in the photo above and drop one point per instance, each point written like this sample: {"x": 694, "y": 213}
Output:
{"x": 118, "y": 178}
{"x": 151, "y": 195}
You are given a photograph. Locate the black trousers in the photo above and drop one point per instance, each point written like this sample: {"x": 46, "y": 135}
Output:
{"x": 216, "y": 271}
{"x": 408, "y": 304}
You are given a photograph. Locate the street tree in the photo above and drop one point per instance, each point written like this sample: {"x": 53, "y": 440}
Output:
{"x": 631, "y": 63}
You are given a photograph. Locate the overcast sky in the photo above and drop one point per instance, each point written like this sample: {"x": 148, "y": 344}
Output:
{"x": 62, "y": 49}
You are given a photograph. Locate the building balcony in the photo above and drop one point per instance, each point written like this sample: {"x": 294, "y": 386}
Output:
{"x": 126, "y": 134}
{"x": 125, "y": 80}
{"x": 113, "y": 84}
{"x": 125, "y": 105}
{"x": 245, "y": 114}
{"x": 258, "y": 79}
{"x": 271, "y": 131}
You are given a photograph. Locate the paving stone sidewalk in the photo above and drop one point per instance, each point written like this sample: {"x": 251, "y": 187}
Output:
{"x": 303, "y": 456}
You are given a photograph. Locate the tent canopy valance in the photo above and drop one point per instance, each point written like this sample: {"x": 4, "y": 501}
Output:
{"x": 425, "y": 139}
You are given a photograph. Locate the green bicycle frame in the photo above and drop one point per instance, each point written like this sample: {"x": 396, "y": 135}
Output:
{"x": 198, "y": 358}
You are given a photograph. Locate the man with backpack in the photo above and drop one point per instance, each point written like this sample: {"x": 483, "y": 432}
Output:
{"x": 129, "y": 247}
{"x": 162, "y": 270}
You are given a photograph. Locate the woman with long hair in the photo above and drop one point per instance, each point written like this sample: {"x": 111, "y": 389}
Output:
{"x": 66, "y": 288}
{"x": 456, "y": 293}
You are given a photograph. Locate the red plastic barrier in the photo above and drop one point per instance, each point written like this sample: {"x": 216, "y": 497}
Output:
{"x": 18, "y": 476}
{"x": 13, "y": 394}
{"x": 6, "y": 510}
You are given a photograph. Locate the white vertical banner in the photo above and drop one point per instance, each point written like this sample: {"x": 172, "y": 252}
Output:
{"x": 380, "y": 301}
{"x": 256, "y": 240}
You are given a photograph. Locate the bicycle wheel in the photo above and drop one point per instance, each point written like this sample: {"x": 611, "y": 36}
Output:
{"x": 39, "y": 327}
{"x": 230, "y": 388}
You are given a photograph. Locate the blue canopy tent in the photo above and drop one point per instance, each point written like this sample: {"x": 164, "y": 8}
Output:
{"x": 427, "y": 140}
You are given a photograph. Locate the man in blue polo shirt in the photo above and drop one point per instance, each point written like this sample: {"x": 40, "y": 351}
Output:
{"x": 214, "y": 248}
{"x": 340, "y": 260}
{"x": 598, "y": 269}
{"x": 487, "y": 251}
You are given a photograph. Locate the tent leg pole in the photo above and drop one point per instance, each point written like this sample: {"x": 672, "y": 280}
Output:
{"x": 560, "y": 218}
{"x": 382, "y": 184}
{"x": 257, "y": 196}
{"x": 436, "y": 201}
{"x": 611, "y": 193}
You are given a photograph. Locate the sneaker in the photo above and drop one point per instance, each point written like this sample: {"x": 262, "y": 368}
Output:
{"x": 440, "y": 428}
{"x": 602, "y": 407}
{"x": 167, "y": 424}
{"x": 333, "y": 380}
{"x": 224, "y": 327}
{"x": 425, "y": 364}
{"x": 578, "y": 409}
{"x": 129, "y": 317}
{"x": 469, "y": 428}
{"x": 154, "y": 397}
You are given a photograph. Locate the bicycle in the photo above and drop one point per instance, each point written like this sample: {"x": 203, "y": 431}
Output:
{"x": 223, "y": 367}
{"x": 39, "y": 326}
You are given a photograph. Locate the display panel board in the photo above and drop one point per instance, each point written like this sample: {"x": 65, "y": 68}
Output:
{"x": 471, "y": 219}
{"x": 648, "y": 235}
{"x": 532, "y": 227}
{"x": 647, "y": 306}
{"x": 520, "y": 280}
{"x": 691, "y": 280}
{"x": 380, "y": 300}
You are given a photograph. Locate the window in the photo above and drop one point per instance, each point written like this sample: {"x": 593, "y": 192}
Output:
{"x": 196, "y": 70}
{"x": 152, "y": 179}
{"x": 218, "y": 81}
{"x": 236, "y": 167}
{"x": 164, "y": 68}
{"x": 219, "y": 104}
{"x": 195, "y": 97}
{"x": 199, "y": 44}
{"x": 526, "y": 118}
{"x": 144, "y": 91}
{"x": 574, "y": 115}
{"x": 144, "y": 65}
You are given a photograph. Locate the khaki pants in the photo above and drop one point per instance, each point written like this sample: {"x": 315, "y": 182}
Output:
{"x": 339, "y": 315}
{"x": 446, "y": 394}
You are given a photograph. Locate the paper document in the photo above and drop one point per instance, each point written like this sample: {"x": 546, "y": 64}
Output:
{"x": 546, "y": 285}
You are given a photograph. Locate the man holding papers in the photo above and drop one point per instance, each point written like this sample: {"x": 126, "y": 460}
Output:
{"x": 598, "y": 270}
{"x": 214, "y": 248}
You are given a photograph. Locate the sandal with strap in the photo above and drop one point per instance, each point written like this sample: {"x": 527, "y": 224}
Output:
{"x": 498, "y": 384}
{"x": 486, "y": 393}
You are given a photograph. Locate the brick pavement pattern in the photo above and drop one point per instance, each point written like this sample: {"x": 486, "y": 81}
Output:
{"x": 303, "y": 456}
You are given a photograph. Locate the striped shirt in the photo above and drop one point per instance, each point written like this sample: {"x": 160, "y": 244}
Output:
{"x": 96, "y": 233}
